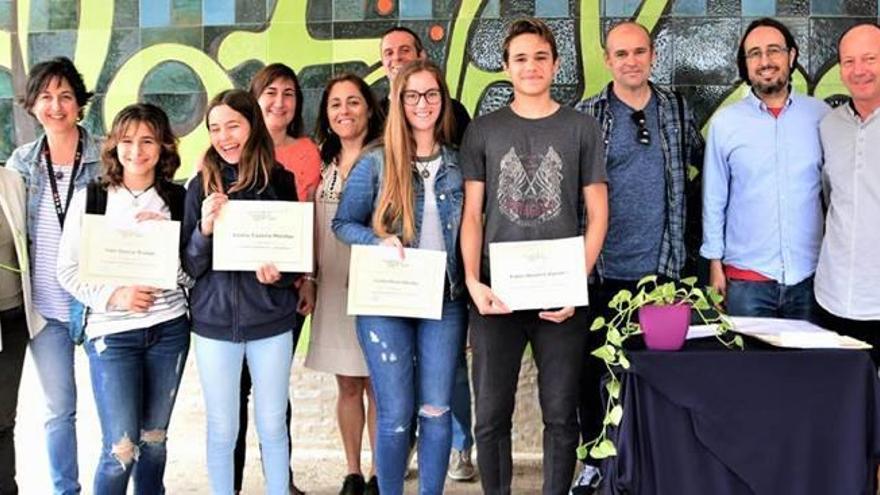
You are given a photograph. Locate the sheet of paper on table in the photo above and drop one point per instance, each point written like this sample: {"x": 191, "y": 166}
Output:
{"x": 797, "y": 334}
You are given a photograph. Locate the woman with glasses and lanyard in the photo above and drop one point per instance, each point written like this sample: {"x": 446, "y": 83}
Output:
{"x": 60, "y": 162}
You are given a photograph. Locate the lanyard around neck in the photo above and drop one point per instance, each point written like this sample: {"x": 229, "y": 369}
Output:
{"x": 61, "y": 210}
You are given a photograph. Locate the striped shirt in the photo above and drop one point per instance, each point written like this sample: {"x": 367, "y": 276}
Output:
{"x": 104, "y": 320}
{"x": 50, "y": 299}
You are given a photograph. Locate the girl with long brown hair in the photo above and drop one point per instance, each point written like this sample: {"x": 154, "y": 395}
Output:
{"x": 408, "y": 193}
{"x": 240, "y": 315}
{"x": 137, "y": 337}
{"x": 280, "y": 97}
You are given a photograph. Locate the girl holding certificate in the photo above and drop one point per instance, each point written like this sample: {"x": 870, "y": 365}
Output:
{"x": 278, "y": 92}
{"x": 63, "y": 160}
{"x": 348, "y": 119}
{"x": 240, "y": 315}
{"x": 137, "y": 336}
{"x": 408, "y": 192}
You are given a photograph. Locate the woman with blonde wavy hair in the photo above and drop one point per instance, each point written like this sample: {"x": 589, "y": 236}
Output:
{"x": 408, "y": 193}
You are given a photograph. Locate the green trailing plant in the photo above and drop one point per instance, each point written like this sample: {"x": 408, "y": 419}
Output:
{"x": 621, "y": 327}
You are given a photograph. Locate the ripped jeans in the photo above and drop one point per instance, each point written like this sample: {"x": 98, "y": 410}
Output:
{"x": 392, "y": 346}
{"x": 135, "y": 376}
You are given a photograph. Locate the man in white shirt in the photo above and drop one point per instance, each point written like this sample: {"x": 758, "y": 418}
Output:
{"x": 849, "y": 268}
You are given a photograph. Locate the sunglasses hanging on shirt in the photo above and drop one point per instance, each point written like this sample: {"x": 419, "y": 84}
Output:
{"x": 643, "y": 136}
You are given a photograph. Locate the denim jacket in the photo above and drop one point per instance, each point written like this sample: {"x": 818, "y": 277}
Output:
{"x": 352, "y": 224}
{"x": 27, "y": 160}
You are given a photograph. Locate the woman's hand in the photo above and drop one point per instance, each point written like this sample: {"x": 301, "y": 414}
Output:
{"x": 268, "y": 274}
{"x": 393, "y": 241}
{"x": 210, "y": 209}
{"x": 306, "y": 303}
{"x": 137, "y": 298}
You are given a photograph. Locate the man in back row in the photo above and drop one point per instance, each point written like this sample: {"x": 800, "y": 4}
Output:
{"x": 401, "y": 45}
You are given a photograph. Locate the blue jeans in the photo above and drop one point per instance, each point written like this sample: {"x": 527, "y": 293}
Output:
{"x": 392, "y": 347}
{"x": 219, "y": 364}
{"x": 135, "y": 377}
{"x": 771, "y": 299}
{"x": 462, "y": 437}
{"x": 52, "y": 351}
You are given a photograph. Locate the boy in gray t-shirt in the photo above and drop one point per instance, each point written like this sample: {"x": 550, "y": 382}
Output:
{"x": 526, "y": 168}
{"x": 534, "y": 171}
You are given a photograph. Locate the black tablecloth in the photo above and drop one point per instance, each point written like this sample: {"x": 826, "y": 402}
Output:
{"x": 774, "y": 422}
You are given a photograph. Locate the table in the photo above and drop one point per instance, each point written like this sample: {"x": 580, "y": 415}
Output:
{"x": 760, "y": 421}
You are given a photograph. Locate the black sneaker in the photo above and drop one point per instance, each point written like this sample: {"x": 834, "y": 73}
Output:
{"x": 353, "y": 485}
{"x": 295, "y": 491}
{"x": 372, "y": 487}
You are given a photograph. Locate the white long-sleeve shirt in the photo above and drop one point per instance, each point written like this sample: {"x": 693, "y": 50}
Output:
{"x": 103, "y": 320}
{"x": 846, "y": 278}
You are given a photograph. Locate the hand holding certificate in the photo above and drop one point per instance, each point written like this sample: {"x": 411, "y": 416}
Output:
{"x": 539, "y": 274}
{"x": 381, "y": 283}
{"x": 250, "y": 234}
{"x": 145, "y": 253}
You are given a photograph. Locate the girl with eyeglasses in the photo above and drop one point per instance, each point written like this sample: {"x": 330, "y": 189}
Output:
{"x": 408, "y": 192}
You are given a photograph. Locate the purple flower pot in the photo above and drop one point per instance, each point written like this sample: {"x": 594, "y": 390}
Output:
{"x": 665, "y": 327}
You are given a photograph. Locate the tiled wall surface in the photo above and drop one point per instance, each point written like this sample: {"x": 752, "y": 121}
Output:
{"x": 177, "y": 53}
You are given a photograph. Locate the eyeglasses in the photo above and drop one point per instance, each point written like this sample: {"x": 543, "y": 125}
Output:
{"x": 773, "y": 51}
{"x": 643, "y": 136}
{"x": 411, "y": 98}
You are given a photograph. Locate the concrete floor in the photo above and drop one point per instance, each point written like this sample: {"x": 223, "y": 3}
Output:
{"x": 318, "y": 472}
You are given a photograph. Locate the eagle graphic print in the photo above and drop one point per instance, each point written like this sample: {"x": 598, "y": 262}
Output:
{"x": 530, "y": 187}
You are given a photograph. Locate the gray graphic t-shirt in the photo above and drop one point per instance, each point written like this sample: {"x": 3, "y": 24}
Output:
{"x": 534, "y": 171}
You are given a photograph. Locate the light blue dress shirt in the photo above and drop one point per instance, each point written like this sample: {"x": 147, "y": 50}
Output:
{"x": 762, "y": 188}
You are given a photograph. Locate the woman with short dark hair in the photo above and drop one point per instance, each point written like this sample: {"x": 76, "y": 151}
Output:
{"x": 63, "y": 160}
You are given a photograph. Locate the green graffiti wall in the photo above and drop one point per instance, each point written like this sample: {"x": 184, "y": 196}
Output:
{"x": 177, "y": 53}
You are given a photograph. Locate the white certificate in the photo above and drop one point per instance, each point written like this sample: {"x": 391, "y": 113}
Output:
{"x": 144, "y": 253}
{"x": 249, "y": 234}
{"x": 382, "y": 284}
{"x": 539, "y": 274}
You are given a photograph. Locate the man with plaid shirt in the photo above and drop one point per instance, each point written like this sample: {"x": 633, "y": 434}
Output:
{"x": 651, "y": 143}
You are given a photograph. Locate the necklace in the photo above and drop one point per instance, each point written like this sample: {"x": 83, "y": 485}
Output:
{"x": 424, "y": 172}
{"x": 138, "y": 195}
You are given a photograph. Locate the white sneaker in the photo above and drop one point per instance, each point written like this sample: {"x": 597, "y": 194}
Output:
{"x": 587, "y": 481}
{"x": 460, "y": 466}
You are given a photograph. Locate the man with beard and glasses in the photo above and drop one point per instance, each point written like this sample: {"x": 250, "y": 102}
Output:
{"x": 762, "y": 209}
